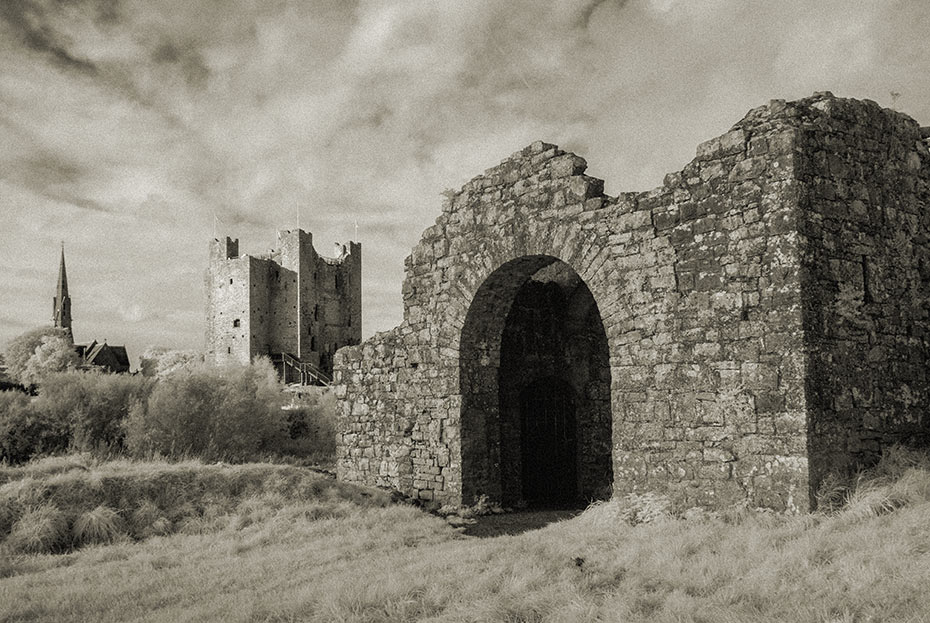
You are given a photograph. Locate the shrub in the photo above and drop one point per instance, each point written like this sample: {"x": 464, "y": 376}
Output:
{"x": 229, "y": 413}
{"x": 311, "y": 428}
{"x": 26, "y": 431}
{"x": 39, "y": 530}
{"x": 94, "y": 404}
{"x": 100, "y": 525}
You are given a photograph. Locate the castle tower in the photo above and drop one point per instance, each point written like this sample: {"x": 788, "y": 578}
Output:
{"x": 61, "y": 303}
{"x": 290, "y": 304}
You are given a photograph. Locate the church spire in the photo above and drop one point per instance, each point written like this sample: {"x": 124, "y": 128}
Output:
{"x": 61, "y": 304}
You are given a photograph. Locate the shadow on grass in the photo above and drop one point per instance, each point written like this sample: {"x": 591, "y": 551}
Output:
{"x": 489, "y": 526}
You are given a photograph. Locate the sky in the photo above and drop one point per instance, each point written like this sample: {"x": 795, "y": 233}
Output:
{"x": 133, "y": 131}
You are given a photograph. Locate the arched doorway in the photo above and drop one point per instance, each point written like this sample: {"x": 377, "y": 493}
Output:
{"x": 535, "y": 382}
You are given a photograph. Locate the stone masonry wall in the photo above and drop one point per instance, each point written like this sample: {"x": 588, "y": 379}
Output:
{"x": 720, "y": 298}
{"x": 227, "y": 292}
{"x": 866, "y": 251}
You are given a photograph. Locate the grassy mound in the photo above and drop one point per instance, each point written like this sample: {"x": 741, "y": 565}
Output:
{"x": 338, "y": 555}
{"x": 61, "y": 503}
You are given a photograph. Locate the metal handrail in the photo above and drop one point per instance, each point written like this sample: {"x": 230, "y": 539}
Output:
{"x": 306, "y": 370}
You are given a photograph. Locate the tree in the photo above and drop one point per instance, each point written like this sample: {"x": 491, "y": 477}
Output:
{"x": 54, "y": 354}
{"x": 160, "y": 362}
{"x": 57, "y": 354}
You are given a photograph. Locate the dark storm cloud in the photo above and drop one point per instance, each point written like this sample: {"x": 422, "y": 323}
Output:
{"x": 186, "y": 59}
{"x": 53, "y": 177}
{"x": 51, "y": 169}
{"x": 27, "y": 19}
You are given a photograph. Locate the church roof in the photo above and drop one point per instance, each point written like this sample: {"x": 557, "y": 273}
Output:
{"x": 112, "y": 358}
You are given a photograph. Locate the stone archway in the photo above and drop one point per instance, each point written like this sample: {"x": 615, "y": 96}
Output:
{"x": 533, "y": 337}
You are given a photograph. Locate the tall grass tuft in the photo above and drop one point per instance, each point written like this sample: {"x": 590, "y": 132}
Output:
{"x": 149, "y": 520}
{"x": 40, "y": 530}
{"x": 900, "y": 479}
{"x": 100, "y": 525}
{"x": 9, "y": 512}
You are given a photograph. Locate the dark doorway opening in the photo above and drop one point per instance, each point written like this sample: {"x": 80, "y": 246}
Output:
{"x": 548, "y": 443}
{"x": 536, "y": 426}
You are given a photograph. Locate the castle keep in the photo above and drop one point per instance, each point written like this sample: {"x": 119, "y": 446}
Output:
{"x": 755, "y": 324}
{"x": 291, "y": 304}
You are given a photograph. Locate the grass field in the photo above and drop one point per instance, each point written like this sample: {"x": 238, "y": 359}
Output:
{"x": 279, "y": 543}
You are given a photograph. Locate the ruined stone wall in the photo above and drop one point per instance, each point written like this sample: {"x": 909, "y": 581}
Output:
{"x": 863, "y": 183}
{"x": 708, "y": 289}
{"x": 676, "y": 277}
{"x": 710, "y": 391}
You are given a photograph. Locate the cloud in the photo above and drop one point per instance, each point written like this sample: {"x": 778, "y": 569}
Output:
{"x": 128, "y": 124}
{"x": 186, "y": 58}
{"x": 27, "y": 20}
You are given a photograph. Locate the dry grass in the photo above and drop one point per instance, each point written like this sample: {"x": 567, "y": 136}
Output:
{"x": 99, "y": 502}
{"x": 278, "y": 556}
{"x": 38, "y": 530}
{"x": 100, "y": 525}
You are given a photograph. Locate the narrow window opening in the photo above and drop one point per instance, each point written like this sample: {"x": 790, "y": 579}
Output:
{"x": 230, "y": 281}
{"x": 236, "y": 322}
{"x": 316, "y": 312}
{"x": 866, "y": 289}
{"x": 229, "y": 350}
{"x": 313, "y": 343}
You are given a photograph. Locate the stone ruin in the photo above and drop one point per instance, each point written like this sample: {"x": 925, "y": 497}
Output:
{"x": 753, "y": 326}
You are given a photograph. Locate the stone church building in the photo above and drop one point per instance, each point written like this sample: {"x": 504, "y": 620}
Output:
{"x": 758, "y": 322}
{"x": 93, "y": 356}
